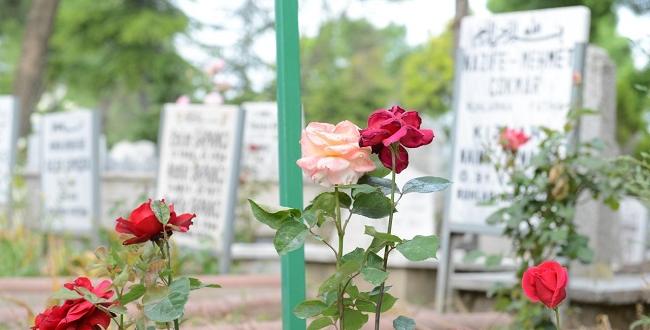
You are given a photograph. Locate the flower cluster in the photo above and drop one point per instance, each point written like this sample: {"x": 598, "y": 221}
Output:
{"x": 94, "y": 307}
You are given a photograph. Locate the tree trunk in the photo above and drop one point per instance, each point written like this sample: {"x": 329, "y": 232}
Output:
{"x": 31, "y": 66}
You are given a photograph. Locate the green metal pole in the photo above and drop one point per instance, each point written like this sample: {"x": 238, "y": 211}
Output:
{"x": 289, "y": 126}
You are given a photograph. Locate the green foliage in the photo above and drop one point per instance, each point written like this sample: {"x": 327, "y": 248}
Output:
{"x": 350, "y": 67}
{"x": 167, "y": 303}
{"x": 637, "y": 174}
{"x": 403, "y": 323}
{"x": 339, "y": 301}
{"x": 119, "y": 56}
{"x": 427, "y": 75}
{"x": 541, "y": 200}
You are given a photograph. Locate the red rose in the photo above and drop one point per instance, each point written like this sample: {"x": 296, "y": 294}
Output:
{"x": 144, "y": 226}
{"x": 511, "y": 139}
{"x": 77, "y": 313}
{"x": 546, "y": 283}
{"x": 394, "y": 126}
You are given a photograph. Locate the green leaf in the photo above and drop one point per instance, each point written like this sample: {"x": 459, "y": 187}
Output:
{"x": 381, "y": 183}
{"x": 375, "y": 261}
{"x": 309, "y": 308}
{"x": 196, "y": 284}
{"x": 403, "y": 323}
{"x": 161, "y": 210}
{"x": 290, "y": 236}
{"x": 426, "y": 184}
{"x": 387, "y": 302}
{"x": 471, "y": 256}
{"x": 320, "y": 323}
{"x": 365, "y": 305}
{"x": 353, "y": 319}
{"x": 372, "y": 205}
{"x": 167, "y": 303}
{"x": 347, "y": 269}
{"x": 419, "y": 248}
{"x": 65, "y": 294}
{"x": 135, "y": 292}
{"x": 272, "y": 217}
{"x": 118, "y": 309}
{"x": 374, "y": 276}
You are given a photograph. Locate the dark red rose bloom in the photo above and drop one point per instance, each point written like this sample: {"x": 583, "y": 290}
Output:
{"x": 77, "y": 313}
{"x": 394, "y": 126}
{"x": 144, "y": 226}
{"x": 546, "y": 283}
{"x": 512, "y": 139}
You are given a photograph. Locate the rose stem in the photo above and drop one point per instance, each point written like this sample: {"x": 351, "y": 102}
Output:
{"x": 390, "y": 227}
{"x": 557, "y": 318}
{"x": 339, "y": 230}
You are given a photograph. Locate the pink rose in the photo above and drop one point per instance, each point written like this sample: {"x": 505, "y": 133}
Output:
{"x": 331, "y": 154}
{"x": 213, "y": 98}
{"x": 512, "y": 139}
{"x": 183, "y": 99}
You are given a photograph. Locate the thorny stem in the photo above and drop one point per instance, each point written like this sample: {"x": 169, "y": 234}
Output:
{"x": 390, "y": 227}
{"x": 339, "y": 257}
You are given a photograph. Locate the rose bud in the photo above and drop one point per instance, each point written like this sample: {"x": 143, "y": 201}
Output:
{"x": 511, "y": 140}
{"x": 144, "y": 226}
{"x": 546, "y": 283}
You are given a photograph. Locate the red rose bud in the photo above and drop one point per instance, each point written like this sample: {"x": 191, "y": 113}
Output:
{"x": 511, "y": 139}
{"x": 144, "y": 226}
{"x": 394, "y": 126}
{"x": 77, "y": 313}
{"x": 546, "y": 283}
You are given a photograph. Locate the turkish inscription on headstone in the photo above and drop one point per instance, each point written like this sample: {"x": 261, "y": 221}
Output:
{"x": 8, "y": 130}
{"x": 199, "y": 150}
{"x": 69, "y": 170}
{"x": 260, "y": 154}
{"x": 514, "y": 70}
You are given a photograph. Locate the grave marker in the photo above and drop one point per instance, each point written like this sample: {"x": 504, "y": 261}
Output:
{"x": 8, "y": 135}
{"x": 516, "y": 70}
{"x": 69, "y": 171}
{"x": 200, "y": 147}
{"x": 260, "y": 158}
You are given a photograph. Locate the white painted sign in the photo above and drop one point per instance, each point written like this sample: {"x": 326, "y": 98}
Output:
{"x": 260, "y": 154}
{"x": 69, "y": 171}
{"x": 200, "y": 146}
{"x": 8, "y": 133}
{"x": 514, "y": 70}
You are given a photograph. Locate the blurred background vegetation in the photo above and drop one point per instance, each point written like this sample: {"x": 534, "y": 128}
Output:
{"x": 123, "y": 57}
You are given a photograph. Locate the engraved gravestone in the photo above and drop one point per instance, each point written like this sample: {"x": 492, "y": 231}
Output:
{"x": 200, "y": 147}
{"x": 69, "y": 171}
{"x": 8, "y": 131}
{"x": 260, "y": 154}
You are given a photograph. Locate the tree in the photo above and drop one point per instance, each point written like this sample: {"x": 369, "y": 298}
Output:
{"x": 119, "y": 56}
{"x": 29, "y": 77}
{"x": 427, "y": 76}
{"x": 350, "y": 68}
